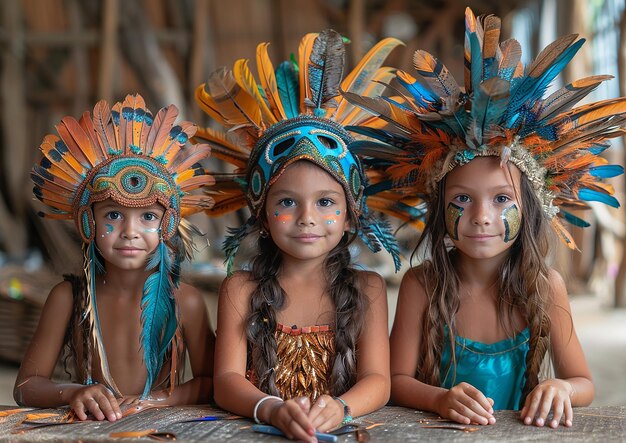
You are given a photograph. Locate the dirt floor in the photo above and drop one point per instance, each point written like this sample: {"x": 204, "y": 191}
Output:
{"x": 601, "y": 330}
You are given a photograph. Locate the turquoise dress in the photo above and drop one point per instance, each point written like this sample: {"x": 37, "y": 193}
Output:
{"x": 497, "y": 369}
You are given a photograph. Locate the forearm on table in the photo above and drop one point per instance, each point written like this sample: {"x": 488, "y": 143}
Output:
{"x": 235, "y": 393}
{"x": 370, "y": 393}
{"x": 583, "y": 391}
{"x": 198, "y": 390}
{"x": 41, "y": 392}
{"x": 411, "y": 393}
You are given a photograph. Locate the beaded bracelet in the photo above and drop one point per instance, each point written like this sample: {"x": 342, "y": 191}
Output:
{"x": 258, "y": 403}
{"x": 347, "y": 414}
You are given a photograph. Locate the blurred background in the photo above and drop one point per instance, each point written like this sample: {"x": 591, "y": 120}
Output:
{"x": 59, "y": 57}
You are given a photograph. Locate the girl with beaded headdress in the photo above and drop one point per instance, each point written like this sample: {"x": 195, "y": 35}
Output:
{"x": 302, "y": 338}
{"x": 499, "y": 164}
{"x": 124, "y": 176}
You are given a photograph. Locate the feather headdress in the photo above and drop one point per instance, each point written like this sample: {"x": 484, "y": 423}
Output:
{"x": 295, "y": 112}
{"x": 137, "y": 159}
{"x": 433, "y": 125}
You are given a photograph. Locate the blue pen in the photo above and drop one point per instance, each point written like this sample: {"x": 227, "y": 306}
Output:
{"x": 267, "y": 429}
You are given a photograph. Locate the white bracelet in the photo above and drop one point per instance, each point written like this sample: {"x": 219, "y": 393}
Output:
{"x": 258, "y": 403}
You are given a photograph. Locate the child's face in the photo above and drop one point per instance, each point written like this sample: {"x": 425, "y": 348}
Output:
{"x": 127, "y": 236}
{"x": 306, "y": 211}
{"x": 483, "y": 214}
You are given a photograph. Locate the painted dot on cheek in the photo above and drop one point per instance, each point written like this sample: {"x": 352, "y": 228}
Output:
{"x": 338, "y": 212}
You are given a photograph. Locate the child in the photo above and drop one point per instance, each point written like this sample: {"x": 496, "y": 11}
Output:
{"x": 497, "y": 163}
{"x": 302, "y": 338}
{"x": 123, "y": 176}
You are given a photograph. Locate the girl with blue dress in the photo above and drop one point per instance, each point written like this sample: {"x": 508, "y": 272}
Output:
{"x": 498, "y": 165}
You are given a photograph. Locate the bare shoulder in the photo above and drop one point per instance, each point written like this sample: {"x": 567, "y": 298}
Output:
{"x": 558, "y": 288}
{"x": 237, "y": 289}
{"x": 61, "y": 296}
{"x": 371, "y": 283}
{"x": 558, "y": 303}
{"x": 241, "y": 282}
{"x": 412, "y": 292}
{"x": 188, "y": 297}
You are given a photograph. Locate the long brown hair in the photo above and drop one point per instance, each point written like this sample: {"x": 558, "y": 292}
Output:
{"x": 523, "y": 286}
{"x": 268, "y": 298}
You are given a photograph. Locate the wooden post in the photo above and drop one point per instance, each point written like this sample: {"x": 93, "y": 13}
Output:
{"x": 16, "y": 155}
{"x": 201, "y": 53}
{"x": 356, "y": 25}
{"x": 620, "y": 280}
{"x": 110, "y": 20}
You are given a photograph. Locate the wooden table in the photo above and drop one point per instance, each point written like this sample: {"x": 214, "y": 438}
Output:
{"x": 395, "y": 424}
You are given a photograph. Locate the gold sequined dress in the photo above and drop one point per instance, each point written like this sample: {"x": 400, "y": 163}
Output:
{"x": 305, "y": 359}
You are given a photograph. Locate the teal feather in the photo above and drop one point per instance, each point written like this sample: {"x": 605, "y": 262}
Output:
{"x": 231, "y": 244}
{"x": 490, "y": 101}
{"x": 591, "y": 195}
{"x": 377, "y": 234}
{"x": 325, "y": 70}
{"x": 158, "y": 314}
{"x": 476, "y": 61}
{"x": 574, "y": 220}
{"x": 288, "y": 91}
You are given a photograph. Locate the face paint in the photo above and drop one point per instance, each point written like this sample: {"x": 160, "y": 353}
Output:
{"x": 512, "y": 222}
{"x": 330, "y": 219}
{"x": 283, "y": 218}
{"x": 453, "y": 214}
{"x": 109, "y": 229}
{"x": 152, "y": 230}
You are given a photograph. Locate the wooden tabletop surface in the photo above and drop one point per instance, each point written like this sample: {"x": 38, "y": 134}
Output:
{"x": 389, "y": 424}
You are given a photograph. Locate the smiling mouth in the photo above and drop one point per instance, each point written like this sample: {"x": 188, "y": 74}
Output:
{"x": 307, "y": 237}
{"x": 128, "y": 251}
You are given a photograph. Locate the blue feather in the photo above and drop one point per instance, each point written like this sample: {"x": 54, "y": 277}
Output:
{"x": 420, "y": 93}
{"x": 158, "y": 314}
{"x": 377, "y": 233}
{"x": 595, "y": 196}
{"x": 288, "y": 91}
{"x": 533, "y": 88}
{"x": 576, "y": 221}
{"x": 606, "y": 171}
{"x": 396, "y": 104}
{"x": 599, "y": 148}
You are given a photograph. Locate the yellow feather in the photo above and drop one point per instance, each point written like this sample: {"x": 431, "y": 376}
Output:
{"x": 246, "y": 81}
{"x": 353, "y": 114}
{"x": 304, "y": 53}
{"x": 268, "y": 81}
{"x": 361, "y": 77}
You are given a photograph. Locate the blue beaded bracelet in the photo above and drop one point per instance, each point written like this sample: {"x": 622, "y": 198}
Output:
{"x": 347, "y": 414}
